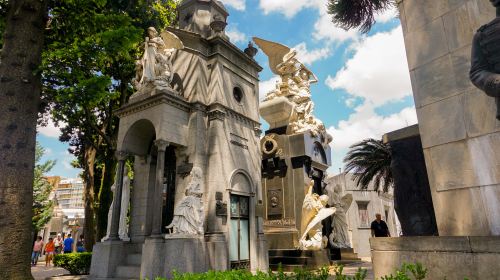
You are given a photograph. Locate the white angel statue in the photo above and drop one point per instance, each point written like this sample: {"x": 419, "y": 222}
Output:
{"x": 313, "y": 212}
{"x": 188, "y": 215}
{"x": 155, "y": 66}
{"x": 339, "y": 237}
{"x": 125, "y": 200}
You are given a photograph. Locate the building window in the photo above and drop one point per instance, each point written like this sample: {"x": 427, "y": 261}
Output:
{"x": 238, "y": 94}
{"x": 364, "y": 218}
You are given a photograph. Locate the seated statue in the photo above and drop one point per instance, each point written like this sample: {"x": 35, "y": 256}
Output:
{"x": 188, "y": 215}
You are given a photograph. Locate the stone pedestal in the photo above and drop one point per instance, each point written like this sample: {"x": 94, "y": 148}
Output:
{"x": 443, "y": 257}
{"x": 106, "y": 256}
{"x": 460, "y": 134}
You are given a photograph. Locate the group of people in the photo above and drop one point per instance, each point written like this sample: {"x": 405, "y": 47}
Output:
{"x": 54, "y": 246}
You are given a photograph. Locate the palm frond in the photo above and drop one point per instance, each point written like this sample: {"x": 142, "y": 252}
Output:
{"x": 370, "y": 160}
{"x": 360, "y": 14}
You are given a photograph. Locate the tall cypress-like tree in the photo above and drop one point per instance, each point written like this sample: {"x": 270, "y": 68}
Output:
{"x": 42, "y": 205}
{"x": 20, "y": 89}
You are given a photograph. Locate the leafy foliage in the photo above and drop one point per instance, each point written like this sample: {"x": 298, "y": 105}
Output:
{"x": 299, "y": 274}
{"x": 75, "y": 263}
{"x": 88, "y": 65}
{"x": 360, "y": 14}
{"x": 42, "y": 205}
{"x": 418, "y": 272}
{"x": 339, "y": 274}
{"x": 370, "y": 160}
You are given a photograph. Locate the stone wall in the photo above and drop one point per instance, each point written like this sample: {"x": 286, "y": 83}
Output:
{"x": 443, "y": 257}
{"x": 460, "y": 134}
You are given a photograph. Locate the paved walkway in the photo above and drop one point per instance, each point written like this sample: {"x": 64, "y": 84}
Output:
{"x": 41, "y": 272}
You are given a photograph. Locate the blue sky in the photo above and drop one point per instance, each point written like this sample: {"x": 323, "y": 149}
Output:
{"x": 364, "y": 87}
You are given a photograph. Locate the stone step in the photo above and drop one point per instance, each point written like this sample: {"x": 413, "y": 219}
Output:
{"x": 128, "y": 271}
{"x": 134, "y": 259}
{"x": 288, "y": 260}
{"x": 289, "y": 253}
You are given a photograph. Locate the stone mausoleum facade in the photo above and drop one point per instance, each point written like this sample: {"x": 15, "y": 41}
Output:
{"x": 206, "y": 120}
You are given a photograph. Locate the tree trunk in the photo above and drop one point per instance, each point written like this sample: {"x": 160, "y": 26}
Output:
{"x": 20, "y": 88}
{"x": 88, "y": 197}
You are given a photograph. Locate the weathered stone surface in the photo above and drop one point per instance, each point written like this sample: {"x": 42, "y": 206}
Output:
{"x": 421, "y": 12}
{"x": 432, "y": 81}
{"x": 442, "y": 122}
{"x": 479, "y": 113}
{"x": 457, "y": 27}
{"x": 419, "y": 49}
{"x": 443, "y": 257}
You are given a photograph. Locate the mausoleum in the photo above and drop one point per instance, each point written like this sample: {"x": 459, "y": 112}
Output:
{"x": 192, "y": 129}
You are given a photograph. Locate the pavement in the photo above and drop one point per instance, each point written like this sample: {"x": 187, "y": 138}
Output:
{"x": 42, "y": 272}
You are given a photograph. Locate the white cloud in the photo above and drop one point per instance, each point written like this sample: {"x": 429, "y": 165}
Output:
{"x": 325, "y": 29}
{"x": 365, "y": 123}
{"x": 50, "y": 130}
{"x": 267, "y": 86}
{"x": 387, "y": 15}
{"x": 235, "y": 35}
{"x": 236, "y": 4}
{"x": 378, "y": 71}
{"x": 288, "y": 8}
{"x": 308, "y": 57}
{"x": 350, "y": 102}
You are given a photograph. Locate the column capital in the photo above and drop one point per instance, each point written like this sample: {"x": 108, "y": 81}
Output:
{"x": 121, "y": 155}
{"x": 161, "y": 144}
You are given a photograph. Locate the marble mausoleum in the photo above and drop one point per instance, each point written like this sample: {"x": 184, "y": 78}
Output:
{"x": 192, "y": 128}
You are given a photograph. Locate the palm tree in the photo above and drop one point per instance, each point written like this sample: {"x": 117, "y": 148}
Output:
{"x": 360, "y": 14}
{"x": 370, "y": 160}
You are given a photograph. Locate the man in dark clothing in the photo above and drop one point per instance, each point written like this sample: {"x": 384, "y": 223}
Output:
{"x": 379, "y": 227}
{"x": 485, "y": 62}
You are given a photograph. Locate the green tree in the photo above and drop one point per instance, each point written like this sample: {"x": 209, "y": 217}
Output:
{"x": 22, "y": 42}
{"x": 360, "y": 14}
{"x": 42, "y": 205}
{"x": 89, "y": 63}
{"x": 370, "y": 160}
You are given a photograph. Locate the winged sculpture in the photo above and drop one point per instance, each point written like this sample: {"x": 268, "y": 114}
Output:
{"x": 295, "y": 85}
{"x": 313, "y": 212}
{"x": 154, "y": 69}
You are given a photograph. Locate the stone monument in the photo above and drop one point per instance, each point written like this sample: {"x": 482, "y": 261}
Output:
{"x": 460, "y": 138}
{"x": 295, "y": 157}
{"x": 192, "y": 130}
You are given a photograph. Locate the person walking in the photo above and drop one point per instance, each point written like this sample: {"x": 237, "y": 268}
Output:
{"x": 49, "y": 251}
{"x": 58, "y": 244}
{"x": 379, "y": 227}
{"x": 68, "y": 244}
{"x": 37, "y": 250}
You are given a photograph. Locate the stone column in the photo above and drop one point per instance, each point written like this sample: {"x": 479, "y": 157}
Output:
{"x": 157, "y": 198}
{"x": 115, "y": 214}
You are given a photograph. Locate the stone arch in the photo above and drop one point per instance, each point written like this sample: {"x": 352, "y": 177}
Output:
{"x": 139, "y": 137}
{"x": 241, "y": 182}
